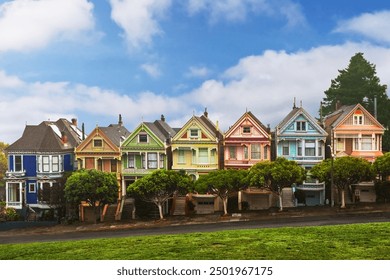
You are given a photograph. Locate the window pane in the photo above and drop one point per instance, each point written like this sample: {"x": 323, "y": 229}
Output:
{"x": 203, "y": 155}
{"x": 247, "y": 129}
{"x": 255, "y": 151}
{"x": 194, "y": 133}
{"x": 18, "y": 163}
{"x": 366, "y": 143}
{"x": 131, "y": 161}
{"x": 181, "y": 157}
{"x": 232, "y": 152}
{"x": 45, "y": 164}
{"x": 143, "y": 138}
{"x": 152, "y": 160}
{"x": 55, "y": 164}
{"x": 98, "y": 143}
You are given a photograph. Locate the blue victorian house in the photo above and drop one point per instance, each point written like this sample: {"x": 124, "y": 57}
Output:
{"x": 37, "y": 163}
{"x": 300, "y": 137}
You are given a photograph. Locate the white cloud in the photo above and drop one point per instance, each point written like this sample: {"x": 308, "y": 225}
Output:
{"x": 152, "y": 70}
{"x": 265, "y": 84}
{"x": 238, "y": 10}
{"x": 198, "y": 72}
{"x": 29, "y": 24}
{"x": 139, "y": 19}
{"x": 32, "y": 103}
{"x": 371, "y": 25}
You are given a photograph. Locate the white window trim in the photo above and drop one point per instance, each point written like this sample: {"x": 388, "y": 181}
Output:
{"x": 29, "y": 188}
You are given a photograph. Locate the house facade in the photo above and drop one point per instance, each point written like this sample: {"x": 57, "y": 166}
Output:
{"x": 246, "y": 143}
{"x": 300, "y": 137}
{"x": 353, "y": 131}
{"x": 145, "y": 150}
{"x": 37, "y": 163}
{"x": 197, "y": 147}
{"x": 100, "y": 150}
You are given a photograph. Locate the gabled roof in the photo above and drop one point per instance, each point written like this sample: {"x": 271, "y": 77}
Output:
{"x": 339, "y": 116}
{"x": 48, "y": 137}
{"x": 205, "y": 124}
{"x": 159, "y": 128}
{"x": 249, "y": 115}
{"x": 293, "y": 115}
{"x": 117, "y": 133}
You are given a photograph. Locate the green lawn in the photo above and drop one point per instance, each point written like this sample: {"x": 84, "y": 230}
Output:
{"x": 344, "y": 242}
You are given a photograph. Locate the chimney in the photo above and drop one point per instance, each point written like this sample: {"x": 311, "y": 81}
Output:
{"x": 74, "y": 121}
{"x": 268, "y": 128}
{"x": 64, "y": 138}
{"x": 120, "y": 122}
{"x": 82, "y": 131}
{"x": 375, "y": 108}
{"x": 205, "y": 113}
{"x": 163, "y": 118}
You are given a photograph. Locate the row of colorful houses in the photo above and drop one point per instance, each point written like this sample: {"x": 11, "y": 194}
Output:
{"x": 39, "y": 159}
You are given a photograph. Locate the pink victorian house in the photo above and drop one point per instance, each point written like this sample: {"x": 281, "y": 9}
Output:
{"x": 246, "y": 143}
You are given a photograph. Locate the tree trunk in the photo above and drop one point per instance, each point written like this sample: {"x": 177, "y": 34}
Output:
{"x": 160, "y": 210}
{"x": 225, "y": 201}
{"x": 342, "y": 198}
{"x": 280, "y": 202}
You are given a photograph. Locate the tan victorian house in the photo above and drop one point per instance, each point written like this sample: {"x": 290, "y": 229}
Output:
{"x": 353, "y": 131}
{"x": 101, "y": 151}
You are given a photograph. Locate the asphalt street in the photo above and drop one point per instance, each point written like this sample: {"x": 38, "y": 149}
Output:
{"x": 199, "y": 227}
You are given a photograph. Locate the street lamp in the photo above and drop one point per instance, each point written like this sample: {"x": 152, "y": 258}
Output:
{"x": 331, "y": 176}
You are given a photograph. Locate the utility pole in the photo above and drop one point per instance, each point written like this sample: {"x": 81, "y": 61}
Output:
{"x": 331, "y": 176}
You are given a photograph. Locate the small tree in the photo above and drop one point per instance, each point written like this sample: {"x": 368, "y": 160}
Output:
{"x": 95, "y": 187}
{"x": 382, "y": 169}
{"x": 346, "y": 171}
{"x": 382, "y": 166}
{"x": 3, "y": 164}
{"x": 160, "y": 186}
{"x": 276, "y": 175}
{"x": 222, "y": 183}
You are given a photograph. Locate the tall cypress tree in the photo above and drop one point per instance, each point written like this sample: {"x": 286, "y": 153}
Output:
{"x": 358, "y": 83}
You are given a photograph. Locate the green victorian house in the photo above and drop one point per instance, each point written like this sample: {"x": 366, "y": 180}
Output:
{"x": 146, "y": 149}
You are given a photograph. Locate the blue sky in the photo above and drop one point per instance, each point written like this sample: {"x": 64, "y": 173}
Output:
{"x": 93, "y": 60}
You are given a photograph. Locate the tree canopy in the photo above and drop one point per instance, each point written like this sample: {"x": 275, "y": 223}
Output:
{"x": 358, "y": 83}
{"x": 94, "y": 186}
{"x": 276, "y": 175}
{"x": 3, "y": 162}
{"x": 346, "y": 171}
{"x": 160, "y": 186}
{"x": 222, "y": 183}
{"x": 382, "y": 166}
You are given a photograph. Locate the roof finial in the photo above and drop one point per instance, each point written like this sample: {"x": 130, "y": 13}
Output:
{"x": 120, "y": 122}
{"x": 205, "y": 112}
{"x": 301, "y": 104}
{"x": 294, "y": 104}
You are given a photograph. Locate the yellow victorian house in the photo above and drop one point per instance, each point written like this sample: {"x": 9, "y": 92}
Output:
{"x": 101, "y": 151}
{"x": 197, "y": 147}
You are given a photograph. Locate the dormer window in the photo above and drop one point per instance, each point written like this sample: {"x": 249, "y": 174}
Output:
{"x": 143, "y": 138}
{"x": 98, "y": 143}
{"x": 246, "y": 129}
{"x": 358, "y": 119}
{"x": 301, "y": 126}
{"x": 194, "y": 133}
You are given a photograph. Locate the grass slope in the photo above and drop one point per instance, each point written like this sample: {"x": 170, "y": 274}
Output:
{"x": 343, "y": 242}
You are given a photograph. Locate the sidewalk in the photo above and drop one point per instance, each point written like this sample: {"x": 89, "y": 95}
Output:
{"x": 269, "y": 214}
